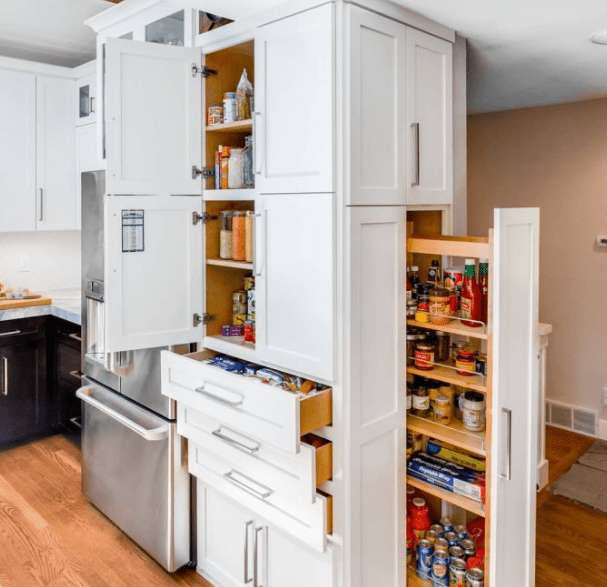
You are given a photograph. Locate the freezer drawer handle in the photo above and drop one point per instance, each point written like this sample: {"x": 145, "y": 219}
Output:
{"x": 263, "y": 494}
{"x": 218, "y": 398}
{"x": 160, "y": 433}
{"x": 249, "y": 448}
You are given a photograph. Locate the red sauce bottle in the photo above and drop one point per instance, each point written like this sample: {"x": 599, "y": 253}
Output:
{"x": 420, "y": 518}
{"x": 410, "y": 543}
{"x": 471, "y": 303}
{"x": 483, "y": 282}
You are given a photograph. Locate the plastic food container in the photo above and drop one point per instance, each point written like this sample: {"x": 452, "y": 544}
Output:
{"x": 472, "y": 404}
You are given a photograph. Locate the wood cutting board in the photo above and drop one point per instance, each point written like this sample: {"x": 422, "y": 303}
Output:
{"x": 21, "y": 303}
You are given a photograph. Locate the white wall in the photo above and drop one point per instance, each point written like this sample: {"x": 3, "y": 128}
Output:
{"x": 54, "y": 260}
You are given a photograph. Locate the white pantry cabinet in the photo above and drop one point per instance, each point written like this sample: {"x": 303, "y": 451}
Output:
{"x": 86, "y": 149}
{"x": 86, "y": 91}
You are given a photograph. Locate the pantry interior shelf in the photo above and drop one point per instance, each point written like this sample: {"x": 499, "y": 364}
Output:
{"x": 447, "y": 375}
{"x": 244, "y": 195}
{"x": 454, "y": 246}
{"x": 414, "y": 581}
{"x": 454, "y": 327}
{"x": 235, "y": 346}
{"x": 453, "y": 433}
{"x": 470, "y": 505}
{"x": 232, "y": 264}
{"x": 238, "y": 126}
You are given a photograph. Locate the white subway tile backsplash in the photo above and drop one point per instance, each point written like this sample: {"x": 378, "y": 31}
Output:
{"x": 54, "y": 260}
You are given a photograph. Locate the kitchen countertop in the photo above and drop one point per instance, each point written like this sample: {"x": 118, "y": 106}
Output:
{"x": 66, "y": 305}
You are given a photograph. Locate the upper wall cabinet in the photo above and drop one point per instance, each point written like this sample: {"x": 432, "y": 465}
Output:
{"x": 377, "y": 100}
{"x": 17, "y": 151}
{"x": 87, "y": 100}
{"x": 294, "y": 103}
{"x": 429, "y": 119}
{"x": 153, "y": 118}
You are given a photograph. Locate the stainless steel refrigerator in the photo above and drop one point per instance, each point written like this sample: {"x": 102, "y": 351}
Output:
{"x": 134, "y": 464}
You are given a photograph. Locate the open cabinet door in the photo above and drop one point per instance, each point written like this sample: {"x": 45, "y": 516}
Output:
{"x": 153, "y": 271}
{"x": 153, "y": 118}
{"x": 514, "y": 397}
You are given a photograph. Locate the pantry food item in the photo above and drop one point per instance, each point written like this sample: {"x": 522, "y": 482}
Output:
{"x": 456, "y": 552}
{"x": 472, "y": 404}
{"x": 441, "y": 544}
{"x": 215, "y": 115}
{"x": 424, "y": 559}
{"x": 420, "y": 518}
{"x": 465, "y": 361}
{"x": 461, "y": 531}
{"x": 452, "y": 538}
{"x": 457, "y": 573}
{"x": 423, "y": 308}
{"x": 236, "y": 170}
{"x": 248, "y": 243}
{"x": 481, "y": 364}
{"x": 416, "y": 440}
{"x": 442, "y": 409}
{"x": 238, "y": 235}
{"x": 471, "y": 303}
{"x": 483, "y": 282}
{"x": 230, "y": 330}
{"x": 244, "y": 93}
{"x": 251, "y": 304}
{"x": 249, "y": 283}
{"x": 424, "y": 356}
{"x": 443, "y": 343}
{"x": 440, "y": 568}
{"x": 230, "y": 108}
{"x": 440, "y": 306}
{"x": 438, "y": 529}
{"x": 443, "y": 450}
{"x": 421, "y": 402}
{"x": 446, "y": 524}
{"x": 247, "y": 155}
{"x": 475, "y": 578}
{"x": 432, "y": 536}
{"x": 454, "y": 277}
{"x": 469, "y": 548}
{"x": 225, "y": 166}
{"x": 249, "y": 331}
{"x": 225, "y": 235}
{"x": 434, "y": 273}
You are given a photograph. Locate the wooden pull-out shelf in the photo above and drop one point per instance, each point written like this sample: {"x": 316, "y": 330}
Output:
{"x": 454, "y": 246}
{"x": 447, "y": 375}
{"x": 454, "y": 327}
{"x": 470, "y": 505}
{"x": 453, "y": 433}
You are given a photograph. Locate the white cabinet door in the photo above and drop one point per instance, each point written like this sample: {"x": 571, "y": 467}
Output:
{"x": 376, "y": 378}
{"x": 430, "y": 119}
{"x": 153, "y": 116}
{"x": 57, "y": 204}
{"x": 288, "y": 562}
{"x": 294, "y": 102}
{"x": 295, "y": 282}
{"x": 225, "y": 539}
{"x": 378, "y": 132}
{"x": 86, "y": 149}
{"x": 515, "y": 396}
{"x": 17, "y": 151}
{"x": 153, "y": 271}
{"x": 86, "y": 94}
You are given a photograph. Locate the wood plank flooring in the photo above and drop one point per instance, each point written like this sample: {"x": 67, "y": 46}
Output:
{"x": 50, "y": 535}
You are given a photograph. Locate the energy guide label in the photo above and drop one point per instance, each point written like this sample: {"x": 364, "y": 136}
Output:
{"x": 132, "y": 231}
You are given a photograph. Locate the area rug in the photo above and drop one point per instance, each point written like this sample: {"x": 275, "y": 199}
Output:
{"x": 586, "y": 481}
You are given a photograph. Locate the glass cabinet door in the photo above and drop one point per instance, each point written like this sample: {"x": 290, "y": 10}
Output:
{"x": 167, "y": 31}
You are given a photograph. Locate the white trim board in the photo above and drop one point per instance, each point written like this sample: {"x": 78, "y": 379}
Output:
{"x": 603, "y": 429}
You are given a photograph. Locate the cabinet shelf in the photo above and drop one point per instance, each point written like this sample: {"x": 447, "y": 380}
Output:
{"x": 229, "y": 263}
{"x": 453, "y": 433}
{"x": 243, "y": 195}
{"x": 238, "y": 126}
{"x": 455, "y": 246}
{"x": 454, "y": 327}
{"x": 414, "y": 581}
{"x": 231, "y": 345}
{"x": 440, "y": 373}
{"x": 466, "y": 503}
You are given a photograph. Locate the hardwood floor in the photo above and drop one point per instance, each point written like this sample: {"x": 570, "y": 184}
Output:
{"x": 570, "y": 537}
{"x": 50, "y": 535}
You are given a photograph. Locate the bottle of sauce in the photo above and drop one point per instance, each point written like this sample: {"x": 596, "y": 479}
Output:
{"x": 409, "y": 288}
{"x": 410, "y": 542}
{"x": 414, "y": 280}
{"x": 420, "y": 518}
{"x": 483, "y": 282}
{"x": 471, "y": 303}
{"x": 434, "y": 274}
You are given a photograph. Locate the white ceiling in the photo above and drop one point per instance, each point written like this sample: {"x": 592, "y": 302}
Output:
{"x": 521, "y": 52}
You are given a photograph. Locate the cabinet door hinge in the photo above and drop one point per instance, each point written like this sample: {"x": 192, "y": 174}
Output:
{"x": 204, "y": 217}
{"x": 204, "y": 319}
{"x": 204, "y": 71}
{"x": 205, "y": 172}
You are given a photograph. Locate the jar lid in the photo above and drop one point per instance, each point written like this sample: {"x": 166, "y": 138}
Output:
{"x": 441, "y": 333}
{"x": 442, "y": 400}
{"x": 418, "y": 502}
{"x": 424, "y": 346}
{"x": 411, "y": 302}
{"x": 473, "y": 400}
{"x": 239, "y": 213}
{"x": 414, "y": 268}
{"x": 482, "y": 357}
{"x": 467, "y": 353}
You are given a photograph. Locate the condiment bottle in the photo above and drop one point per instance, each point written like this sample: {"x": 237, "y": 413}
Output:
{"x": 414, "y": 280}
{"x": 434, "y": 273}
{"x": 483, "y": 282}
{"x": 420, "y": 518}
{"x": 471, "y": 303}
{"x": 225, "y": 235}
{"x": 238, "y": 236}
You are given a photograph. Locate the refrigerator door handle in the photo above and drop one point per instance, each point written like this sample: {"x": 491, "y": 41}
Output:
{"x": 160, "y": 433}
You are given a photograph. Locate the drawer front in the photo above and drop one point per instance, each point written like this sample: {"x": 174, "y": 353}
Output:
{"x": 308, "y": 523}
{"x": 68, "y": 366}
{"x": 293, "y": 476}
{"x": 257, "y": 410}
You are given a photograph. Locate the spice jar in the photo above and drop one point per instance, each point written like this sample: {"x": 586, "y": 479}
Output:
{"x": 423, "y": 307}
{"x": 420, "y": 405}
{"x": 424, "y": 356}
{"x": 443, "y": 341}
{"x": 465, "y": 361}
{"x": 238, "y": 236}
{"x": 440, "y": 306}
{"x": 472, "y": 404}
{"x": 412, "y": 339}
{"x": 442, "y": 409}
{"x": 225, "y": 235}
{"x": 248, "y": 245}
{"x": 236, "y": 170}
{"x": 456, "y": 347}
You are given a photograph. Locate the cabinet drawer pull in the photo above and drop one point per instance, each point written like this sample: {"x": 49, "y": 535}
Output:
{"x": 218, "y": 398}
{"x": 252, "y": 448}
{"x": 91, "y": 102}
{"x": 41, "y": 217}
{"x": 76, "y": 374}
{"x": 9, "y": 333}
{"x": 76, "y": 422}
{"x": 256, "y": 142}
{"x": 76, "y": 337}
{"x": 256, "y": 582}
{"x": 415, "y": 127}
{"x": 4, "y": 376}
{"x": 247, "y": 580}
{"x": 263, "y": 494}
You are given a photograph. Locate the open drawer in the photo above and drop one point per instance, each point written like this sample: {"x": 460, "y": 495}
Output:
{"x": 309, "y": 523}
{"x": 246, "y": 405}
{"x": 293, "y": 476}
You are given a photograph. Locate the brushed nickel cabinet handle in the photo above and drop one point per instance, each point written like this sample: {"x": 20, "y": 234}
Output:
{"x": 41, "y": 217}
{"x": 11, "y": 332}
{"x": 219, "y": 398}
{"x": 415, "y": 127}
{"x": 508, "y": 474}
{"x": 252, "y": 448}
{"x": 263, "y": 494}
{"x": 247, "y": 580}
{"x": 91, "y": 109}
{"x": 4, "y": 376}
{"x": 75, "y": 336}
{"x": 76, "y": 374}
{"x": 256, "y": 582}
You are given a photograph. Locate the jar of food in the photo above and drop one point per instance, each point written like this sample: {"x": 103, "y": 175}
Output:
{"x": 465, "y": 361}
{"x": 472, "y": 404}
{"x": 424, "y": 356}
{"x": 248, "y": 244}
{"x": 481, "y": 364}
{"x": 454, "y": 277}
{"x": 412, "y": 340}
{"x": 458, "y": 391}
{"x": 230, "y": 107}
{"x": 423, "y": 307}
{"x": 238, "y": 235}
{"x": 416, "y": 440}
{"x": 247, "y": 157}
{"x": 442, "y": 409}
{"x": 225, "y": 235}
{"x": 440, "y": 306}
{"x": 215, "y": 115}
{"x": 236, "y": 170}
{"x": 411, "y": 308}
{"x": 443, "y": 342}
{"x": 456, "y": 347}
{"x": 420, "y": 405}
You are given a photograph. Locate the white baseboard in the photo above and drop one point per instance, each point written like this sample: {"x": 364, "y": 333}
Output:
{"x": 542, "y": 475}
{"x": 603, "y": 429}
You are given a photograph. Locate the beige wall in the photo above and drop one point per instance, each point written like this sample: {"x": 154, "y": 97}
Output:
{"x": 555, "y": 158}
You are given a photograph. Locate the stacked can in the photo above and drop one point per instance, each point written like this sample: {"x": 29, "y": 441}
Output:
{"x": 249, "y": 325}
{"x": 424, "y": 559}
{"x": 457, "y": 573}
{"x": 440, "y": 569}
{"x": 475, "y": 578}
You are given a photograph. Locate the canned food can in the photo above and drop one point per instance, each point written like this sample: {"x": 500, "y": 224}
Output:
{"x": 251, "y": 302}
{"x": 457, "y": 573}
{"x": 239, "y": 319}
{"x": 424, "y": 559}
{"x": 475, "y": 578}
{"x": 469, "y": 548}
{"x": 439, "y": 529}
{"x": 461, "y": 531}
{"x": 481, "y": 364}
{"x": 452, "y": 538}
{"x": 240, "y": 296}
{"x": 456, "y": 552}
{"x": 239, "y": 308}
{"x": 440, "y": 568}
{"x": 432, "y": 536}
{"x": 249, "y": 283}
{"x": 442, "y": 544}
{"x": 454, "y": 277}
{"x": 447, "y": 524}
{"x": 249, "y": 331}
{"x": 230, "y": 107}
{"x": 215, "y": 115}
